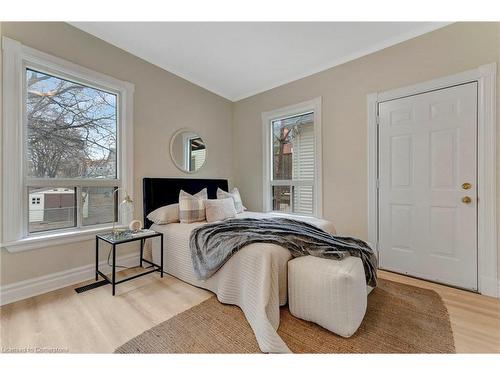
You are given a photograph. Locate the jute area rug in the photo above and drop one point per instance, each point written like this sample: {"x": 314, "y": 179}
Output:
{"x": 399, "y": 319}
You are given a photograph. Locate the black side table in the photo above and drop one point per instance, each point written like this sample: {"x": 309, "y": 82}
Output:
{"x": 126, "y": 237}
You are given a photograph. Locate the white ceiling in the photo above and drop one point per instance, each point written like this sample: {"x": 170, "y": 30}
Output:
{"x": 237, "y": 60}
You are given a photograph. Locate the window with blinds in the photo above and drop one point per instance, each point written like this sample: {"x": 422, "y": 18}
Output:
{"x": 293, "y": 164}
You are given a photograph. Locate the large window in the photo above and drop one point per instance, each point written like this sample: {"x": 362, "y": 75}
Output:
{"x": 71, "y": 138}
{"x": 68, "y": 141}
{"x": 292, "y": 170}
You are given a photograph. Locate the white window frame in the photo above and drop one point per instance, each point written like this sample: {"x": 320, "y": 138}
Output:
{"x": 313, "y": 105}
{"x": 16, "y": 58}
{"x": 186, "y": 147}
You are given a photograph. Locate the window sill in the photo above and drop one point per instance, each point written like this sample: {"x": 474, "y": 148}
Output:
{"x": 53, "y": 239}
{"x": 292, "y": 215}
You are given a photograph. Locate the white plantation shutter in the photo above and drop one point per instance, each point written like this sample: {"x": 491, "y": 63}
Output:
{"x": 292, "y": 162}
{"x": 303, "y": 169}
{"x": 199, "y": 158}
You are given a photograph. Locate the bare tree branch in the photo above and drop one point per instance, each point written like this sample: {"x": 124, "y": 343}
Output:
{"x": 71, "y": 129}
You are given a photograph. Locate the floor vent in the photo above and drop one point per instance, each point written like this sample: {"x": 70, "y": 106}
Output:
{"x": 97, "y": 284}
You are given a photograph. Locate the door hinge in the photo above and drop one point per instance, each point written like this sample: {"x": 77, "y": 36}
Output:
{"x": 378, "y": 119}
{"x": 377, "y": 183}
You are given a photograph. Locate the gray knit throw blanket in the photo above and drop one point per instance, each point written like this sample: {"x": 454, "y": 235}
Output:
{"x": 213, "y": 244}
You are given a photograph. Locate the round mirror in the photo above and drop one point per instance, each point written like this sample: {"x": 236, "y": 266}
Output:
{"x": 188, "y": 150}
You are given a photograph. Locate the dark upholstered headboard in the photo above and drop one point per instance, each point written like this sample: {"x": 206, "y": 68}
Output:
{"x": 158, "y": 192}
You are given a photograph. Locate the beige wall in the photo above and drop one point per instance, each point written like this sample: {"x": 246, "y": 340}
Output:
{"x": 453, "y": 49}
{"x": 163, "y": 104}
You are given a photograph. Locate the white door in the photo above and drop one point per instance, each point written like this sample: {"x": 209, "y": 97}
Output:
{"x": 427, "y": 212}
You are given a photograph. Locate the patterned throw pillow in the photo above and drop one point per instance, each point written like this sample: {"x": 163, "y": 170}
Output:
{"x": 192, "y": 207}
{"x": 235, "y": 194}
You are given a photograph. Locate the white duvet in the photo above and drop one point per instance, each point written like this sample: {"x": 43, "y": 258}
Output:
{"x": 255, "y": 278}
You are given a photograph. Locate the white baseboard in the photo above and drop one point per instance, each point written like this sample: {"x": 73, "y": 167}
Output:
{"x": 489, "y": 286}
{"x": 32, "y": 287}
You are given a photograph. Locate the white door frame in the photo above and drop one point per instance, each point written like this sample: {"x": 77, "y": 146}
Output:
{"x": 485, "y": 76}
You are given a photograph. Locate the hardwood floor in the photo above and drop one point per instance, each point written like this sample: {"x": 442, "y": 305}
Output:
{"x": 475, "y": 319}
{"x": 95, "y": 322}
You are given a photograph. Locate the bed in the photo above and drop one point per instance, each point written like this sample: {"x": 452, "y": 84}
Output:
{"x": 255, "y": 278}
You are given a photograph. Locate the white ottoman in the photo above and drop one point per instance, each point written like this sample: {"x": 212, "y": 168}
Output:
{"x": 328, "y": 292}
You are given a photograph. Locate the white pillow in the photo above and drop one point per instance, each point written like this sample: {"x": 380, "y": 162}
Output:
{"x": 165, "y": 215}
{"x": 235, "y": 195}
{"x": 219, "y": 209}
{"x": 192, "y": 207}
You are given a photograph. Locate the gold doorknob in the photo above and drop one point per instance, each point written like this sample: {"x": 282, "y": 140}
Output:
{"x": 466, "y": 200}
{"x": 466, "y": 186}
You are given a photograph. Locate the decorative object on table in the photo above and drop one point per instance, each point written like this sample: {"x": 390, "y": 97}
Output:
{"x": 188, "y": 150}
{"x": 135, "y": 225}
{"x": 125, "y": 212}
{"x": 126, "y": 234}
